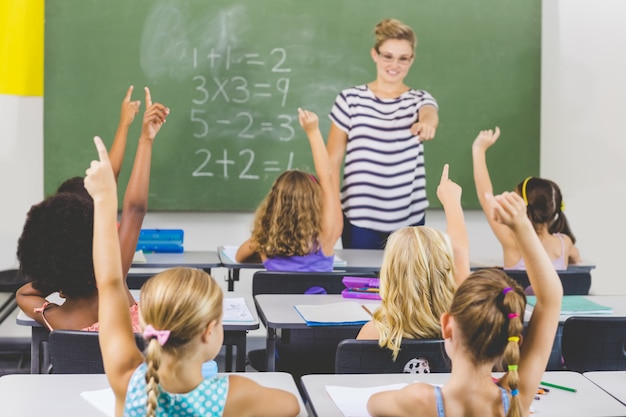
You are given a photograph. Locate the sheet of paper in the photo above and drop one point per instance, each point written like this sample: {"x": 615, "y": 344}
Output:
{"x": 573, "y": 304}
{"x": 102, "y": 399}
{"x": 347, "y": 312}
{"x": 236, "y": 310}
{"x": 229, "y": 252}
{"x": 352, "y": 402}
{"x": 139, "y": 257}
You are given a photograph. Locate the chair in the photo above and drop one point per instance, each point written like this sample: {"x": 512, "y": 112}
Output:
{"x": 10, "y": 281}
{"x": 415, "y": 356}
{"x": 594, "y": 344}
{"x": 77, "y": 352}
{"x": 15, "y": 351}
{"x": 575, "y": 282}
{"x": 311, "y": 350}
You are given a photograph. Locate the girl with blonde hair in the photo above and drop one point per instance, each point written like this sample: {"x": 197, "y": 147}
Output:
{"x": 421, "y": 269}
{"x": 297, "y": 225}
{"x": 483, "y": 329}
{"x": 181, "y": 317}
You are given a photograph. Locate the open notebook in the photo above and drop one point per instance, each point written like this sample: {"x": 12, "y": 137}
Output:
{"x": 576, "y": 304}
{"x": 334, "y": 314}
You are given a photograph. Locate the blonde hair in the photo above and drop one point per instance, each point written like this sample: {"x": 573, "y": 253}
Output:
{"x": 416, "y": 286}
{"x": 289, "y": 220}
{"x": 489, "y": 310}
{"x": 393, "y": 29}
{"x": 183, "y": 301}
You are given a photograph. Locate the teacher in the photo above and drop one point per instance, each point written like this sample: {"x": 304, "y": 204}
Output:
{"x": 380, "y": 128}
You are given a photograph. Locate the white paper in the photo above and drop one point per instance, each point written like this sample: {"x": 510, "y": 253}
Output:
{"x": 334, "y": 313}
{"x": 229, "y": 252}
{"x": 236, "y": 310}
{"x": 102, "y": 399}
{"x": 139, "y": 257}
{"x": 352, "y": 402}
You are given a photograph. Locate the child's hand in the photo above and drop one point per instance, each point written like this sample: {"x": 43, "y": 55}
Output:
{"x": 486, "y": 138}
{"x": 129, "y": 108}
{"x": 509, "y": 209}
{"x": 100, "y": 181}
{"x": 308, "y": 120}
{"x": 153, "y": 118}
{"x": 448, "y": 191}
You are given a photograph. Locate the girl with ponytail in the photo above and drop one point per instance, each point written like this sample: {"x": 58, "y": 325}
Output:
{"x": 544, "y": 206}
{"x": 181, "y": 319}
{"x": 483, "y": 331}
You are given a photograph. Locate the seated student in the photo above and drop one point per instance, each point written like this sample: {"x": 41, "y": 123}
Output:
{"x": 297, "y": 225}
{"x": 181, "y": 317}
{"x": 54, "y": 249}
{"x": 483, "y": 328}
{"x": 421, "y": 269}
{"x": 545, "y": 211}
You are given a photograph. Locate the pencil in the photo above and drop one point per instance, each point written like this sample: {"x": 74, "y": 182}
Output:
{"x": 366, "y": 309}
{"x": 547, "y": 384}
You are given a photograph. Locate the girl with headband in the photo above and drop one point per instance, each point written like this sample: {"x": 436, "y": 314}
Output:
{"x": 545, "y": 209}
{"x": 483, "y": 329}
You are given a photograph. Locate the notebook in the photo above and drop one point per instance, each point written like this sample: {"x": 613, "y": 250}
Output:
{"x": 345, "y": 313}
{"x": 574, "y": 304}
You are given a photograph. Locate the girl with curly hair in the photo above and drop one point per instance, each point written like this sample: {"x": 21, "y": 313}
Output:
{"x": 297, "y": 225}
{"x": 55, "y": 247}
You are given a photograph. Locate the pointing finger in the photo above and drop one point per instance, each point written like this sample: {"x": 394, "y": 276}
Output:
{"x": 129, "y": 92}
{"x": 148, "y": 97}
{"x": 444, "y": 174}
{"x": 102, "y": 150}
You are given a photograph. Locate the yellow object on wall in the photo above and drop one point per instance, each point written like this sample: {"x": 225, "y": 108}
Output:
{"x": 21, "y": 47}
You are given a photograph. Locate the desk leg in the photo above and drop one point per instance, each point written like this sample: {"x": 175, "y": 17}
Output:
{"x": 233, "y": 275}
{"x": 229, "y": 358}
{"x": 270, "y": 348}
{"x": 39, "y": 335}
{"x": 236, "y": 338}
{"x": 240, "y": 365}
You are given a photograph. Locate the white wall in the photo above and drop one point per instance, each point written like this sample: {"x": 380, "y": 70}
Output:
{"x": 583, "y": 97}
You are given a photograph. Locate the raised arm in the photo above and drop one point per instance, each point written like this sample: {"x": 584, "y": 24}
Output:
{"x": 135, "y": 203}
{"x": 449, "y": 193}
{"x": 484, "y": 140}
{"x": 129, "y": 109}
{"x": 332, "y": 218}
{"x": 119, "y": 351}
{"x": 509, "y": 209}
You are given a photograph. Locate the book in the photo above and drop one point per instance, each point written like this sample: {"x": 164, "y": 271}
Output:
{"x": 236, "y": 310}
{"x": 334, "y": 314}
{"x": 574, "y": 304}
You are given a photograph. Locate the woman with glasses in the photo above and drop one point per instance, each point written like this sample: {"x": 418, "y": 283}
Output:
{"x": 379, "y": 128}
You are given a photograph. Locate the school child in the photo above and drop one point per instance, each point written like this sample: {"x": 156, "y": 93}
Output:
{"x": 483, "y": 327}
{"x": 421, "y": 269}
{"x": 181, "y": 316}
{"x": 544, "y": 207}
{"x": 54, "y": 249}
{"x": 297, "y": 225}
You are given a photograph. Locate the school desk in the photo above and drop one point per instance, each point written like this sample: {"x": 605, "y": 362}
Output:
{"x": 156, "y": 262}
{"x": 588, "y": 401}
{"x": 59, "y": 395}
{"x": 613, "y": 382}
{"x": 354, "y": 260}
{"x": 234, "y": 335}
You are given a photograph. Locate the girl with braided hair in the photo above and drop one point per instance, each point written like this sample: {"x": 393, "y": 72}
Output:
{"x": 181, "y": 318}
{"x": 483, "y": 329}
{"x": 545, "y": 208}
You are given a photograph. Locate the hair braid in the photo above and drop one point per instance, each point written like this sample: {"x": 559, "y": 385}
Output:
{"x": 511, "y": 351}
{"x": 153, "y": 360}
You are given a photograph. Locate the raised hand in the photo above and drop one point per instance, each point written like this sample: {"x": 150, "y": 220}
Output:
{"x": 129, "y": 108}
{"x": 508, "y": 208}
{"x": 308, "y": 120}
{"x": 448, "y": 191}
{"x": 486, "y": 138}
{"x": 100, "y": 181}
{"x": 153, "y": 118}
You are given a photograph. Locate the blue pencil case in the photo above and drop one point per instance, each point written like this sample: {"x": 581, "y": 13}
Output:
{"x": 361, "y": 287}
{"x": 161, "y": 240}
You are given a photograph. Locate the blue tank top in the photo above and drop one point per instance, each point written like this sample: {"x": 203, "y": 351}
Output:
{"x": 207, "y": 399}
{"x": 313, "y": 262}
{"x": 442, "y": 413}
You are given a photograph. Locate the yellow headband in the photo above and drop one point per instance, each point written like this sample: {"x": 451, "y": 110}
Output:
{"x": 524, "y": 190}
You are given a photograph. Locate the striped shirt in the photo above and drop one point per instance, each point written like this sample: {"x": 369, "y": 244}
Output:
{"x": 384, "y": 179}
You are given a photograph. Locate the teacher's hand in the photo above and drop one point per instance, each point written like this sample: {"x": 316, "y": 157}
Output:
{"x": 424, "y": 130}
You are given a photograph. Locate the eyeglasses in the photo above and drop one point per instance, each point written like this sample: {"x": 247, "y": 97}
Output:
{"x": 389, "y": 58}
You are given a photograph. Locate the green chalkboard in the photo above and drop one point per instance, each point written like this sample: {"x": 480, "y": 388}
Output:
{"x": 234, "y": 73}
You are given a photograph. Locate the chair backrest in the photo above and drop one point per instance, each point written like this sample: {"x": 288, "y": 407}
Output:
{"x": 272, "y": 282}
{"x": 415, "y": 356}
{"x": 575, "y": 282}
{"x": 594, "y": 344}
{"x": 77, "y": 352}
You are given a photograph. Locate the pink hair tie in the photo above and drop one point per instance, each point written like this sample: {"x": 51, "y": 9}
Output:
{"x": 161, "y": 335}
{"x": 513, "y": 315}
{"x": 507, "y": 289}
